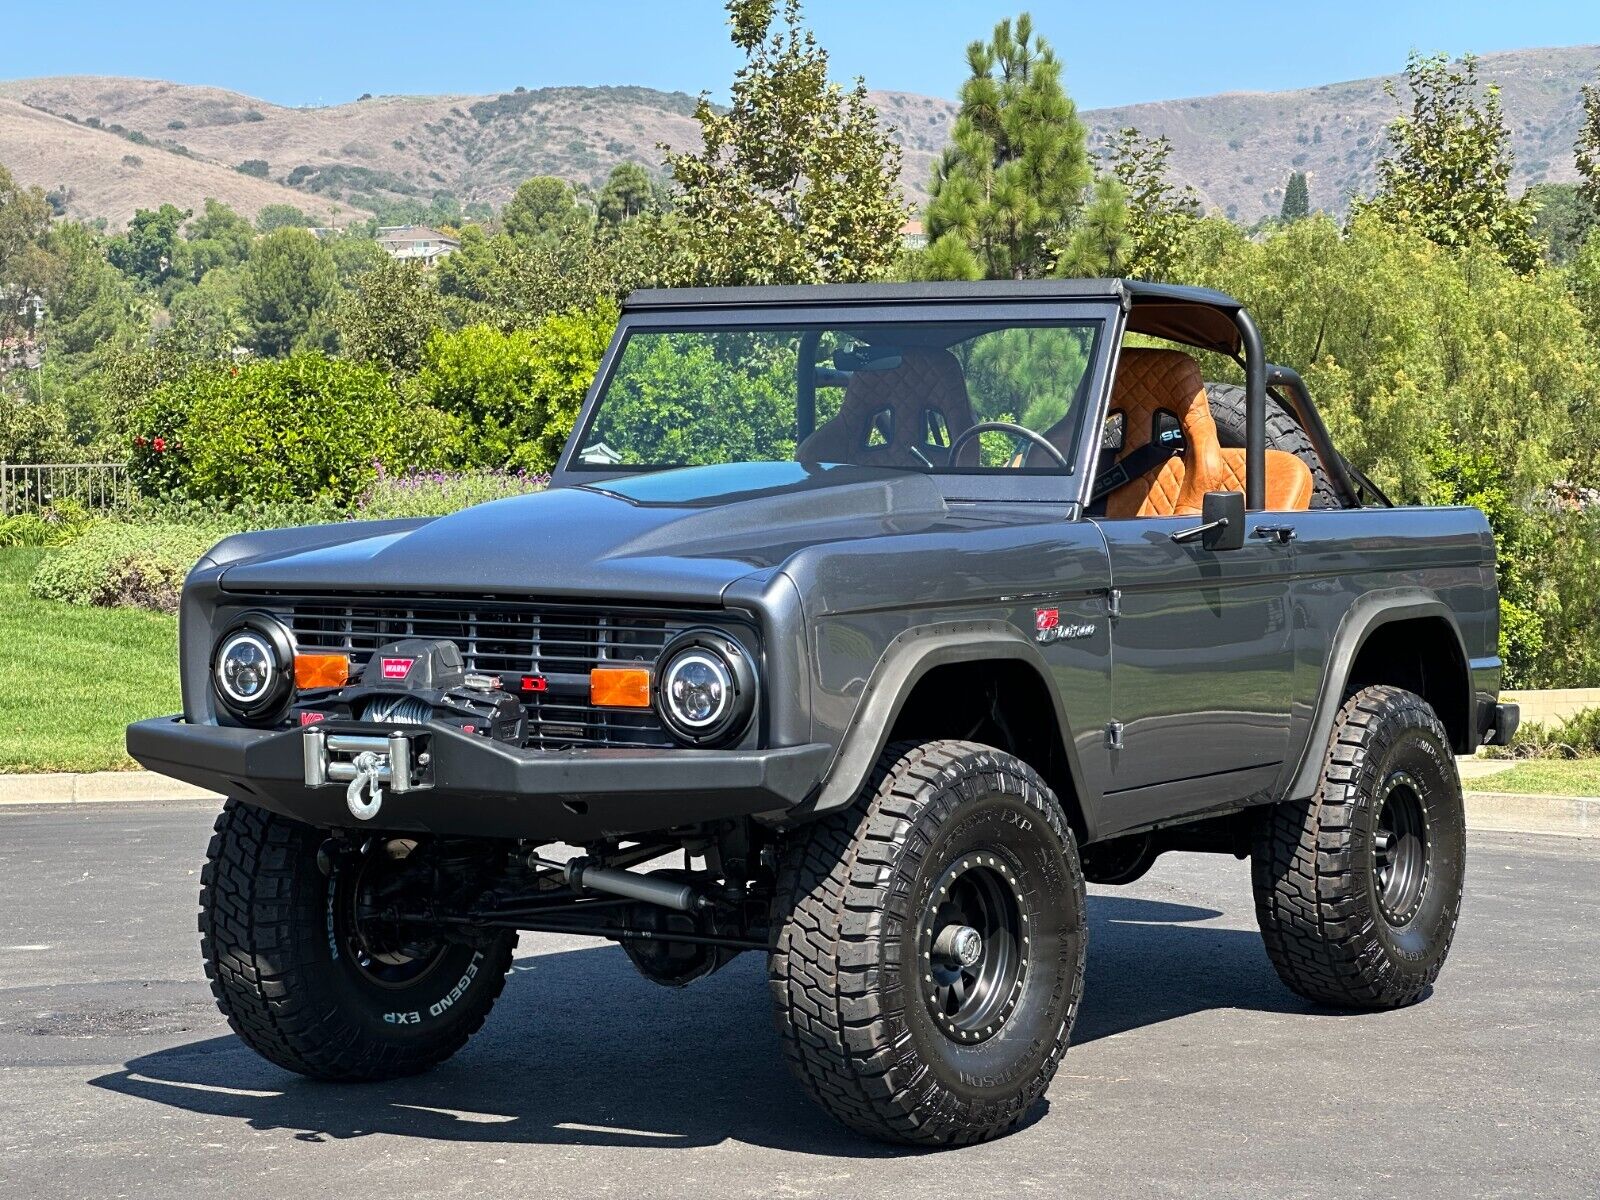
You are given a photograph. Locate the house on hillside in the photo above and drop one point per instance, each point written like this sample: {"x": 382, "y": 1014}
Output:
{"x": 912, "y": 234}
{"x": 416, "y": 243}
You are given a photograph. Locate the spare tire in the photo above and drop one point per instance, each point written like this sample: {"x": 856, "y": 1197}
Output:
{"x": 1283, "y": 433}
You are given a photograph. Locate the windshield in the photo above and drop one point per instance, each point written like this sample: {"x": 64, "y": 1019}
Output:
{"x": 900, "y": 396}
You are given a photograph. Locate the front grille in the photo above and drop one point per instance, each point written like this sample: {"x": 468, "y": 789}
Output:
{"x": 560, "y": 644}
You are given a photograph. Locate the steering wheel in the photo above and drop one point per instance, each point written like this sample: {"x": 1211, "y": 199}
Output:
{"x": 1021, "y": 431}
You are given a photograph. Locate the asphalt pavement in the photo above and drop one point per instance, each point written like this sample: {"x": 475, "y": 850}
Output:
{"x": 1193, "y": 1072}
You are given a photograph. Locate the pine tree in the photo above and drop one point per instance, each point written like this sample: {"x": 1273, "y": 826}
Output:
{"x": 1296, "y": 199}
{"x": 1006, "y": 192}
{"x": 1449, "y": 164}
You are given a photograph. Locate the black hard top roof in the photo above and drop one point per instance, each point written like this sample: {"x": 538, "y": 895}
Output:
{"x": 1192, "y": 315}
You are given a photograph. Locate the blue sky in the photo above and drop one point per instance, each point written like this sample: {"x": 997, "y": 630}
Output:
{"x": 295, "y": 52}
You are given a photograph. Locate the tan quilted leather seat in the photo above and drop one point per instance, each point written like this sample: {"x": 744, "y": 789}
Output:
{"x": 892, "y": 409}
{"x": 1151, "y": 381}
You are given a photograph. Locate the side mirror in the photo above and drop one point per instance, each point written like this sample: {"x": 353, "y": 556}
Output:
{"x": 1221, "y": 522}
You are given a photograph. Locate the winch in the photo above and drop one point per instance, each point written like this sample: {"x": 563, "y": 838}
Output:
{"x": 413, "y": 683}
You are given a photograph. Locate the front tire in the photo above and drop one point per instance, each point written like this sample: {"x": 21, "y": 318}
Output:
{"x": 1358, "y": 889}
{"x": 929, "y": 947}
{"x": 312, "y": 985}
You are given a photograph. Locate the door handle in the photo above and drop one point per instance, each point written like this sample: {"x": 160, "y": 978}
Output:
{"x": 1282, "y": 534}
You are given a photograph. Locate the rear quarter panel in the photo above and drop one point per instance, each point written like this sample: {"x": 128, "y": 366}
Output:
{"x": 1375, "y": 556}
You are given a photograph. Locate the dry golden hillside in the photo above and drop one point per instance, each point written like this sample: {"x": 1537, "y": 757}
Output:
{"x": 105, "y": 175}
{"x": 1236, "y": 149}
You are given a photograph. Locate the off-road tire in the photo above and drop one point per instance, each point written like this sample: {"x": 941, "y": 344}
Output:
{"x": 1318, "y": 879}
{"x": 276, "y": 970}
{"x": 855, "y": 899}
{"x": 1227, "y": 402}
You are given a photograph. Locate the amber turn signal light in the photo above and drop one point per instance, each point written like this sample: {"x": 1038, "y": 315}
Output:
{"x": 619, "y": 687}
{"x": 321, "y": 670}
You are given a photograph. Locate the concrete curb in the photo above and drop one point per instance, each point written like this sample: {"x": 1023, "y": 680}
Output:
{"x": 98, "y": 787}
{"x": 1570, "y": 816}
{"x": 1507, "y": 812}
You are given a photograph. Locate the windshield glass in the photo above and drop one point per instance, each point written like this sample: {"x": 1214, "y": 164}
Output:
{"x": 900, "y": 396}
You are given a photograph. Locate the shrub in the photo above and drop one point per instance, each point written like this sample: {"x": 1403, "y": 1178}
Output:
{"x": 435, "y": 493}
{"x": 54, "y": 525}
{"x": 516, "y": 393}
{"x": 1576, "y": 737}
{"x": 306, "y": 427}
{"x": 114, "y": 565}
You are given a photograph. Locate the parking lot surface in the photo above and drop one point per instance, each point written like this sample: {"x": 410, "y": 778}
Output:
{"x": 1193, "y": 1072}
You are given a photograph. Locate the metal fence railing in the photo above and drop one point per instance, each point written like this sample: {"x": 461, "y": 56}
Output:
{"x": 27, "y": 486}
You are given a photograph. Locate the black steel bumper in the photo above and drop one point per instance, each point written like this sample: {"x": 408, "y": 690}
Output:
{"x": 479, "y": 788}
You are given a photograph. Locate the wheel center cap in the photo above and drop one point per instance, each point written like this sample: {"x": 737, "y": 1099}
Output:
{"x": 959, "y": 945}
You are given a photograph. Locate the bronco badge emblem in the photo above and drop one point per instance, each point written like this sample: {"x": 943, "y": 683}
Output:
{"x": 1048, "y": 628}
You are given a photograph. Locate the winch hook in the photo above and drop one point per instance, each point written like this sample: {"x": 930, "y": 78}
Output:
{"x": 368, "y": 765}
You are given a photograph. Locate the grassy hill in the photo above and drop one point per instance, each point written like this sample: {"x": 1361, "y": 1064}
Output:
{"x": 1237, "y": 149}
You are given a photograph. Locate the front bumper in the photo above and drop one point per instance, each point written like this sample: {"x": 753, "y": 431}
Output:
{"x": 486, "y": 789}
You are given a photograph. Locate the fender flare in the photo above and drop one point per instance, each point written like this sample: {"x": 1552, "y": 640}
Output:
{"x": 1369, "y": 613}
{"x": 903, "y": 664}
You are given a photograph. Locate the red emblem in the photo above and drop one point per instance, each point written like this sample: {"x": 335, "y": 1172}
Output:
{"x": 397, "y": 668}
{"x": 311, "y": 718}
{"x": 1046, "y": 618}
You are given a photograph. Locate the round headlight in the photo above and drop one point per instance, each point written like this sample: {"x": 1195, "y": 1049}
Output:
{"x": 253, "y": 665}
{"x": 706, "y": 687}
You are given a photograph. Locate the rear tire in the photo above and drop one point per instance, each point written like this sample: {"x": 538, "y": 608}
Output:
{"x": 290, "y": 971}
{"x": 1227, "y": 402}
{"x": 952, "y": 852}
{"x": 1358, "y": 889}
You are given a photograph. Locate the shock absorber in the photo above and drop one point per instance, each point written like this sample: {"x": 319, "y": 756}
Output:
{"x": 581, "y": 874}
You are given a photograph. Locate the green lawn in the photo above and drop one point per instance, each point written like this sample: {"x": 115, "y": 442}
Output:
{"x": 71, "y": 678}
{"x": 1545, "y": 776}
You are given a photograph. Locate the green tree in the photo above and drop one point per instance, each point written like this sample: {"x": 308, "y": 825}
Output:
{"x": 1449, "y": 162}
{"x": 630, "y": 191}
{"x": 1564, "y": 219}
{"x": 388, "y": 314}
{"x": 287, "y": 290}
{"x": 544, "y": 207}
{"x": 1296, "y": 199}
{"x": 148, "y": 251}
{"x": 218, "y": 237}
{"x": 1587, "y": 149}
{"x": 273, "y": 217}
{"x": 93, "y": 309}
{"x": 208, "y": 319}
{"x": 797, "y": 182}
{"x": 1161, "y": 216}
{"x": 25, "y": 263}
{"x": 1006, "y": 192}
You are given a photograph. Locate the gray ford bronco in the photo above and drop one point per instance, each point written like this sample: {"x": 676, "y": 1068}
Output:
{"x": 859, "y": 626}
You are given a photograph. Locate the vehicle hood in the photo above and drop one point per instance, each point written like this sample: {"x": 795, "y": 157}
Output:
{"x": 677, "y": 536}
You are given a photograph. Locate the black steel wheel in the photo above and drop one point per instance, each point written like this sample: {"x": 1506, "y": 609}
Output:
{"x": 928, "y": 947}
{"x": 1400, "y": 849}
{"x": 973, "y": 947}
{"x": 1358, "y": 890}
